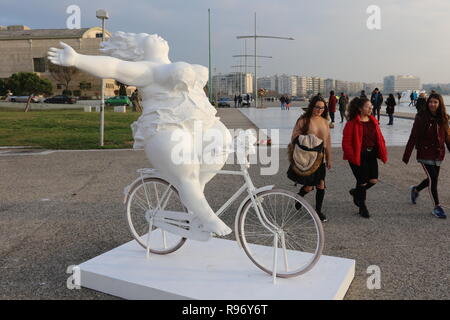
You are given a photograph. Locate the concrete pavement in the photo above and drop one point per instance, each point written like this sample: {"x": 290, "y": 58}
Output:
{"x": 64, "y": 208}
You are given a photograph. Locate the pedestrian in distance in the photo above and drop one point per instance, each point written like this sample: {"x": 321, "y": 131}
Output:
{"x": 411, "y": 97}
{"x": 377, "y": 100}
{"x": 421, "y": 102}
{"x": 363, "y": 94}
{"x": 287, "y": 103}
{"x": 343, "y": 102}
{"x": 239, "y": 101}
{"x": 136, "y": 101}
{"x": 235, "y": 100}
{"x": 390, "y": 108}
{"x": 282, "y": 102}
{"x": 399, "y": 97}
{"x": 332, "y": 101}
{"x": 312, "y": 134}
{"x": 362, "y": 144}
{"x": 429, "y": 135}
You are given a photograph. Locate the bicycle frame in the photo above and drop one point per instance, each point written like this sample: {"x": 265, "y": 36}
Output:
{"x": 252, "y": 192}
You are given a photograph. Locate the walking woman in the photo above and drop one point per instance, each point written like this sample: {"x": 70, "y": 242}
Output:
{"x": 363, "y": 143}
{"x": 312, "y": 134}
{"x": 390, "y": 103}
{"x": 430, "y": 134}
{"x": 343, "y": 101}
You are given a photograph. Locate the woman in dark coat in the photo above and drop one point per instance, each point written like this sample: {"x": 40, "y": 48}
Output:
{"x": 429, "y": 135}
{"x": 390, "y": 103}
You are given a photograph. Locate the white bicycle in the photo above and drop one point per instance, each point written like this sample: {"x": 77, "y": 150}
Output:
{"x": 271, "y": 225}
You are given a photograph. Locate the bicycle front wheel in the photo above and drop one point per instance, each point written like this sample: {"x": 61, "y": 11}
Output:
{"x": 290, "y": 219}
{"x": 145, "y": 196}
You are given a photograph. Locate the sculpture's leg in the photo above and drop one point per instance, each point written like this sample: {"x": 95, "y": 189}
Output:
{"x": 224, "y": 142}
{"x": 159, "y": 148}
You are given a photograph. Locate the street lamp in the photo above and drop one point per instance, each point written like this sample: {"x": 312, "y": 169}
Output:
{"x": 255, "y": 36}
{"x": 103, "y": 15}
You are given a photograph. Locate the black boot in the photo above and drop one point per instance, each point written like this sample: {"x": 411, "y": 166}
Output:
{"x": 301, "y": 193}
{"x": 353, "y": 194}
{"x": 320, "y": 194}
{"x": 361, "y": 195}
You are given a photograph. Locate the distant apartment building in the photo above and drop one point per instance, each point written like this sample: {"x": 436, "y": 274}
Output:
{"x": 369, "y": 87}
{"x": 227, "y": 85}
{"x": 330, "y": 84}
{"x": 341, "y": 86}
{"x": 302, "y": 86}
{"x": 318, "y": 85}
{"x": 287, "y": 85}
{"x": 355, "y": 88}
{"x": 265, "y": 83}
{"x": 25, "y": 50}
{"x": 401, "y": 83}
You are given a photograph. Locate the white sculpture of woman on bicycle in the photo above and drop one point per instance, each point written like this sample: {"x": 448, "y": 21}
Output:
{"x": 173, "y": 100}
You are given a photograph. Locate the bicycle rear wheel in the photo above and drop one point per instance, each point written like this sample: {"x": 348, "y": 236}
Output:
{"x": 143, "y": 197}
{"x": 293, "y": 221}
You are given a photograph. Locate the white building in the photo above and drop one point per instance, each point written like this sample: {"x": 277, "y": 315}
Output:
{"x": 228, "y": 85}
{"x": 401, "y": 83}
{"x": 318, "y": 85}
{"x": 302, "y": 85}
{"x": 287, "y": 85}
{"x": 330, "y": 84}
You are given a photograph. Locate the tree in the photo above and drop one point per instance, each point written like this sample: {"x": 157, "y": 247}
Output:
{"x": 3, "y": 87}
{"x": 28, "y": 84}
{"x": 63, "y": 75}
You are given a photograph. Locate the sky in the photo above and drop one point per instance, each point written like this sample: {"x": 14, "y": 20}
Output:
{"x": 331, "y": 36}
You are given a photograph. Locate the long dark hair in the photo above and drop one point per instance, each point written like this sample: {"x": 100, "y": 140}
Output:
{"x": 308, "y": 114}
{"x": 441, "y": 112}
{"x": 355, "y": 107}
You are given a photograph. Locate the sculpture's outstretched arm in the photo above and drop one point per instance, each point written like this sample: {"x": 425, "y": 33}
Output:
{"x": 130, "y": 73}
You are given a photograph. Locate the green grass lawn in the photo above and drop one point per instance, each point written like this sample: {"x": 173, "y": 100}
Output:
{"x": 65, "y": 129}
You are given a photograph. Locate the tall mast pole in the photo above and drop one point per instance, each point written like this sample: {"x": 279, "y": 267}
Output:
{"x": 210, "y": 86}
{"x": 255, "y": 88}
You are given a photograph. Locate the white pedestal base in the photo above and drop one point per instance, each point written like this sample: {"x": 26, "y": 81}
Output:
{"x": 213, "y": 270}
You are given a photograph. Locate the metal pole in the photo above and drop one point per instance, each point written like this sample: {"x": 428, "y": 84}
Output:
{"x": 255, "y": 90}
{"x": 210, "y": 86}
{"x": 102, "y": 105}
{"x": 245, "y": 66}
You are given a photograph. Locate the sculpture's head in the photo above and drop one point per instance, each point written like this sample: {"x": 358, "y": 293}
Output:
{"x": 137, "y": 47}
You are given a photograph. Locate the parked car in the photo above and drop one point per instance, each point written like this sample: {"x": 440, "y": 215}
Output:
{"x": 61, "y": 99}
{"x": 34, "y": 99}
{"x": 225, "y": 102}
{"x": 118, "y": 101}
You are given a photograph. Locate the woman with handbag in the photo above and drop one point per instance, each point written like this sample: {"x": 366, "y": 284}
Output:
{"x": 310, "y": 151}
{"x": 363, "y": 143}
{"x": 430, "y": 134}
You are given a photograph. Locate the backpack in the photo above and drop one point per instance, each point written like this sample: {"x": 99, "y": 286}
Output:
{"x": 305, "y": 154}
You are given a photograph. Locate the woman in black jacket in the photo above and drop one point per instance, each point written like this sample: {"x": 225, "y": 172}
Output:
{"x": 390, "y": 103}
{"x": 429, "y": 136}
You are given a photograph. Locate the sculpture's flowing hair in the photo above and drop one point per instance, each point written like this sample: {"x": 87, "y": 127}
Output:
{"x": 125, "y": 46}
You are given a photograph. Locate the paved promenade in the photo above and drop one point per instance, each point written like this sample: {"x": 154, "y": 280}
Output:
{"x": 63, "y": 208}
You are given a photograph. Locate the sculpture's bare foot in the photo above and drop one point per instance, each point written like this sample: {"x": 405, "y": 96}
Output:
{"x": 213, "y": 224}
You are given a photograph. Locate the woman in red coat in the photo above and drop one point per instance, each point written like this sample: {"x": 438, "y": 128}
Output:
{"x": 430, "y": 135}
{"x": 332, "y": 101}
{"x": 363, "y": 143}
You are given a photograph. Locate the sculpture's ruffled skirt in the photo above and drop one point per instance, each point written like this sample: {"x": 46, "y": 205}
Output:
{"x": 185, "y": 116}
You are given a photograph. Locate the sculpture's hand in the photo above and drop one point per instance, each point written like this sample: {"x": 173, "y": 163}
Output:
{"x": 63, "y": 57}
